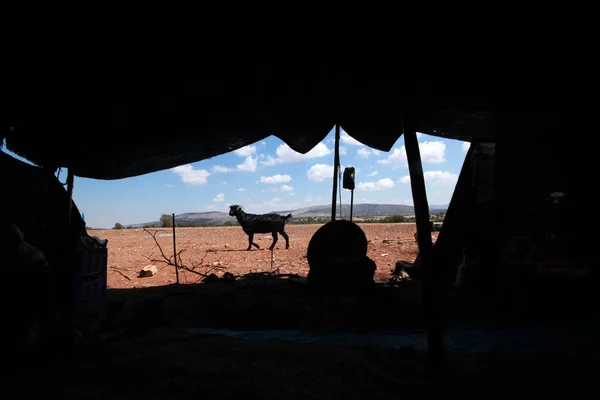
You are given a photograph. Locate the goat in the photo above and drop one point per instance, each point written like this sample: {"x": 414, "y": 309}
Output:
{"x": 261, "y": 223}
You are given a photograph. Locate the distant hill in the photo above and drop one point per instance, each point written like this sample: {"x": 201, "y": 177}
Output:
{"x": 206, "y": 218}
{"x": 359, "y": 210}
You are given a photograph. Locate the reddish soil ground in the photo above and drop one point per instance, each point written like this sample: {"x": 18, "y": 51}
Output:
{"x": 223, "y": 249}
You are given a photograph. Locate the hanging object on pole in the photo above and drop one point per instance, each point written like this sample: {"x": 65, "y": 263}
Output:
{"x": 348, "y": 180}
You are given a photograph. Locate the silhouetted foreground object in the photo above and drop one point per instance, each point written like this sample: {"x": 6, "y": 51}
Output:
{"x": 414, "y": 270}
{"x": 337, "y": 257}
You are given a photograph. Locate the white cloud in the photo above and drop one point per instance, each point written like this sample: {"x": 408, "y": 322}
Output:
{"x": 241, "y": 189}
{"x": 220, "y": 169}
{"x": 211, "y": 207}
{"x": 245, "y": 151}
{"x": 382, "y": 184}
{"x": 405, "y": 179}
{"x": 282, "y": 188}
{"x": 349, "y": 140}
{"x": 319, "y": 172}
{"x": 466, "y": 146}
{"x": 249, "y": 165}
{"x": 398, "y": 156}
{"x": 270, "y": 161}
{"x": 219, "y": 197}
{"x": 271, "y": 205}
{"x": 373, "y": 173}
{"x": 190, "y": 175}
{"x": 364, "y": 152}
{"x": 169, "y": 185}
{"x": 435, "y": 178}
{"x": 275, "y": 179}
{"x": 441, "y": 178}
{"x": 343, "y": 150}
{"x": 310, "y": 198}
{"x": 285, "y": 154}
{"x": 431, "y": 153}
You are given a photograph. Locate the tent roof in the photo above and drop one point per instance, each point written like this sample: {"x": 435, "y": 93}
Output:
{"x": 119, "y": 128}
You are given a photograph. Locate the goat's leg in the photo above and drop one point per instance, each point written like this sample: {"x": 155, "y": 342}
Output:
{"x": 251, "y": 242}
{"x": 275, "y": 238}
{"x": 287, "y": 239}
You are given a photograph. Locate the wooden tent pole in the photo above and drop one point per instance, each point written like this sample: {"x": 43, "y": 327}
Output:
{"x": 336, "y": 162}
{"x": 175, "y": 249}
{"x": 435, "y": 338}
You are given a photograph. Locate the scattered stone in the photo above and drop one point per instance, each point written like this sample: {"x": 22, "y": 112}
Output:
{"x": 148, "y": 270}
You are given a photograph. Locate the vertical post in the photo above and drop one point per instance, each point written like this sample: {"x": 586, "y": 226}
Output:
{"x": 351, "y": 203}
{"x": 336, "y": 162}
{"x": 70, "y": 180}
{"x": 435, "y": 338}
{"x": 340, "y": 190}
{"x": 175, "y": 250}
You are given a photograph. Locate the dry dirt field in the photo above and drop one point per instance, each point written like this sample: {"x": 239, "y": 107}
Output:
{"x": 129, "y": 250}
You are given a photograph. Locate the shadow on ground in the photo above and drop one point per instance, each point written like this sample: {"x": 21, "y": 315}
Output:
{"x": 221, "y": 340}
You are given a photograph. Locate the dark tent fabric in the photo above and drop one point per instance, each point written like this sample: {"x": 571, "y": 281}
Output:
{"x": 113, "y": 127}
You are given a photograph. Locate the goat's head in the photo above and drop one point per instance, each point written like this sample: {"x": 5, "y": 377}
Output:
{"x": 235, "y": 210}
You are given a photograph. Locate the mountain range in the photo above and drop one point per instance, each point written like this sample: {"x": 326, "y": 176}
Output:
{"x": 359, "y": 210}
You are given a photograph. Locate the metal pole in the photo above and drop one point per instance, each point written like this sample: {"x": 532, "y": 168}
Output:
{"x": 340, "y": 190}
{"x": 351, "y": 203}
{"x": 336, "y": 162}
{"x": 175, "y": 250}
{"x": 435, "y": 338}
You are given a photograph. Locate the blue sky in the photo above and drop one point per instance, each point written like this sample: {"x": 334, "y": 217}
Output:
{"x": 269, "y": 176}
